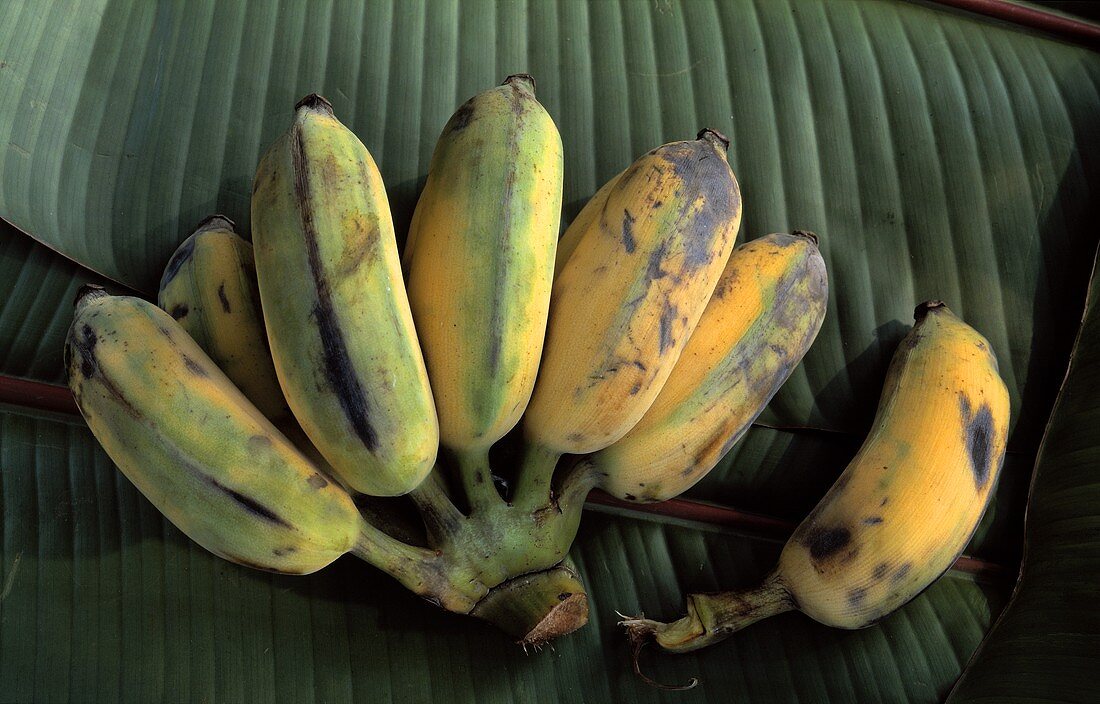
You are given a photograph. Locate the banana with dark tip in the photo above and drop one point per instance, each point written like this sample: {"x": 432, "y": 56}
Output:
{"x": 209, "y": 287}
{"x": 191, "y": 442}
{"x": 759, "y": 323}
{"x": 626, "y": 299}
{"x": 901, "y": 512}
{"x": 336, "y": 313}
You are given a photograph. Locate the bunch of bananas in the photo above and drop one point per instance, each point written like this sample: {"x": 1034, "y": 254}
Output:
{"x": 283, "y": 383}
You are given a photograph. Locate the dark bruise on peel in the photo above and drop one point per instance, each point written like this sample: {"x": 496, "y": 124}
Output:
{"x": 872, "y": 520}
{"x": 85, "y": 345}
{"x": 856, "y": 596}
{"x": 711, "y": 179}
{"x": 250, "y": 504}
{"x": 654, "y": 270}
{"x": 461, "y": 117}
{"x": 223, "y": 299}
{"x": 901, "y": 572}
{"x": 880, "y": 571}
{"x": 180, "y": 311}
{"x": 629, "y": 243}
{"x": 823, "y": 543}
{"x": 339, "y": 371}
{"x": 179, "y": 258}
{"x": 668, "y": 317}
{"x": 978, "y": 433}
{"x": 193, "y": 366}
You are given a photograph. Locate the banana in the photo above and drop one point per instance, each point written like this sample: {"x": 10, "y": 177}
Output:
{"x": 480, "y": 260}
{"x": 337, "y": 317}
{"x": 192, "y": 443}
{"x": 209, "y": 287}
{"x": 900, "y": 513}
{"x": 626, "y": 301}
{"x": 759, "y": 323}
{"x": 592, "y": 210}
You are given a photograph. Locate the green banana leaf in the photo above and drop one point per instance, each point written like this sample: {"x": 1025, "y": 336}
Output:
{"x": 104, "y": 599}
{"x": 937, "y": 154}
{"x": 1050, "y": 632}
{"x": 37, "y": 288}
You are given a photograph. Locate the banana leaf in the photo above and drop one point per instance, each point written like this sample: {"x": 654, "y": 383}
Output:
{"x": 1049, "y": 636}
{"x": 938, "y": 155}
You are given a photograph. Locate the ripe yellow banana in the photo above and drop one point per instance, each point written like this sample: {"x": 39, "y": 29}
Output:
{"x": 336, "y": 313}
{"x": 209, "y": 287}
{"x": 900, "y": 513}
{"x": 592, "y": 210}
{"x": 628, "y": 298}
{"x": 758, "y": 324}
{"x": 480, "y": 260}
{"x": 192, "y": 443}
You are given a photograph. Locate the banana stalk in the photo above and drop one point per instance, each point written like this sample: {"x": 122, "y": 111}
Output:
{"x": 900, "y": 513}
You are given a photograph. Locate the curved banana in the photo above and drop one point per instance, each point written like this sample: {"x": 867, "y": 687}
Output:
{"x": 628, "y": 298}
{"x": 763, "y": 317}
{"x": 480, "y": 261}
{"x": 192, "y": 443}
{"x": 900, "y": 513}
{"x": 209, "y": 287}
{"x": 336, "y": 313}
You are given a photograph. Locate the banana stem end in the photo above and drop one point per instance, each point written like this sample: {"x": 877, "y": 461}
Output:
{"x": 537, "y": 608}
{"x": 713, "y": 617}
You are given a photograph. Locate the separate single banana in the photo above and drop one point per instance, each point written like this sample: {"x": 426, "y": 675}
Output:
{"x": 480, "y": 261}
{"x": 625, "y": 303}
{"x": 191, "y": 442}
{"x": 900, "y": 513}
{"x": 336, "y": 313}
{"x": 759, "y": 323}
{"x": 209, "y": 287}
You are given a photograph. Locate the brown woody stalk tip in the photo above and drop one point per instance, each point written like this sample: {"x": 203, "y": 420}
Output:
{"x": 714, "y": 137}
{"x": 315, "y": 102}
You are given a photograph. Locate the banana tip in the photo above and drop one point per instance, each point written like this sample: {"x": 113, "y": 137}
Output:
{"x": 89, "y": 292}
{"x": 314, "y": 101}
{"x": 806, "y": 234}
{"x": 924, "y": 308}
{"x": 215, "y": 222}
{"x": 714, "y": 137}
{"x": 520, "y": 78}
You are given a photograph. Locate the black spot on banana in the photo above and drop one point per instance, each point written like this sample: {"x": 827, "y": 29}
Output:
{"x": 338, "y": 320}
